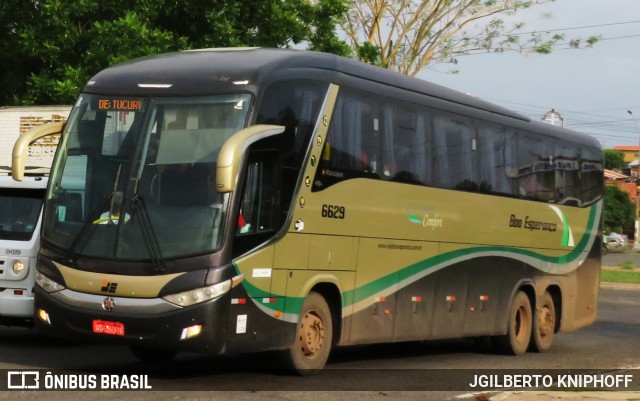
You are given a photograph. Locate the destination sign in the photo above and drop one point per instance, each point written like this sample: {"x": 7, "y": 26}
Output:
{"x": 120, "y": 104}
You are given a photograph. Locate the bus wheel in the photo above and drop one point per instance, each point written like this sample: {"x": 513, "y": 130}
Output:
{"x": 152, "y": 355}
{"x": 314, "y": 333}
{"x": 544, "y": 324}
{"x": 516, "y": 341}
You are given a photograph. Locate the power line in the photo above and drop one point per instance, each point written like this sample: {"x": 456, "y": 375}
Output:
{"x": 559, "y": 46}
{"x": 567, "y": 46}
{"x": 577, "y": 27}
{"x": 603, "y": 127}
{"x": 591, "y": 113}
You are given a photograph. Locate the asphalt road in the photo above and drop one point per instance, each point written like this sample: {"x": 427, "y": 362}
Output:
{"x": 614, "y": 258}
{"x": 410, "y": 371}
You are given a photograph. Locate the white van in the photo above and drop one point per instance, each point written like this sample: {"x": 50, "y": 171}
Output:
{"x": 20, "y": 219}
{"x": 21, "y": 208}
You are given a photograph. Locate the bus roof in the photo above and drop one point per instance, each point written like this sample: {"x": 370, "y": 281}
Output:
{"x": 208, "y": 71}
{"x": 205, "y": 70}
{"x": 29, "y": 182}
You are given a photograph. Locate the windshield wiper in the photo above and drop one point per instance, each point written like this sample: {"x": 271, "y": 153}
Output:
{"x": 94, "y": 216}
{"x": 148, "y": 235}
{"x": 81, "y": 238}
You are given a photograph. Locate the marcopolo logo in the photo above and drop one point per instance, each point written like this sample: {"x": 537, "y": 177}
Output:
{"x": 109, "y": 287}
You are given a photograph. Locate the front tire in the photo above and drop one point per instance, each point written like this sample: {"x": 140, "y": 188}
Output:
{"x": 314, "y": 336}
{"x": 544, "y": 324}
{"x": 516, "y": 341}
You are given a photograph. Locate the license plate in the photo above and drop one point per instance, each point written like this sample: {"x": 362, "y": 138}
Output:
{"x": 110, "y": 328}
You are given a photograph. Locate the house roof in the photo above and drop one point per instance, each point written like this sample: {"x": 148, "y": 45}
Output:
{"x": 614, "y": 175}
{"x": 627, "y": 148}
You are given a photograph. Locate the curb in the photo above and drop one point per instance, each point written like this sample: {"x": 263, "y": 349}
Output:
{"x": 566, "y": 395}
{"x": 619, "y": 286}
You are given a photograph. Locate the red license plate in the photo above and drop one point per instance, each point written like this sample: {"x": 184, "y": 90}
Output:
{"x": 106, "y": 327}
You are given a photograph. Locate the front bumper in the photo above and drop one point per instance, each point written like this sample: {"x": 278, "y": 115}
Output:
{"x": 152, "y": 323}
{"x": 13, "y": 305}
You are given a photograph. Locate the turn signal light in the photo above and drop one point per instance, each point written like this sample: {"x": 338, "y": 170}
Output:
{"x": 191, "y": 331}
{"x": 44, "y": 316}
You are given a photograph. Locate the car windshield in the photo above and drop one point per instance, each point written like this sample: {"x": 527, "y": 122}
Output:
{"x": 19, "y": 213}
{"x": 135, "y": 178}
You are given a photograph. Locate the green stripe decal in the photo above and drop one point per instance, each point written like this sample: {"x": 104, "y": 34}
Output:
{"x": 383, "y": 283}
{"x": 414, "y": 272}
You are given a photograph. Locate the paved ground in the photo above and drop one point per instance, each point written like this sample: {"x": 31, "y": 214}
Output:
{"x": 563, "y": 395}
{"x": 569, "y": 395}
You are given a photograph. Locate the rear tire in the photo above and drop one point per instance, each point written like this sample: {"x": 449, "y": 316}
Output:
{"x": 314, "y": 336}
{"x": 544, "y": 324}
{"x": 520, "y": 322}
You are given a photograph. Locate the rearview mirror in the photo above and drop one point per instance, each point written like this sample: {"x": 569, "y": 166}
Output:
{"x": 230, "y": 155}
{"x": 21, "y": 147}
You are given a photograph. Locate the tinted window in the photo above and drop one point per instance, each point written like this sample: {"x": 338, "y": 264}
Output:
{"x": 378, "y": 138}
{"x": 19, "y": 212}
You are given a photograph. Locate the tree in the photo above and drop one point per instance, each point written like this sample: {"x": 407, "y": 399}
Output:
{"x": 408, "y": 35}
{"x": 613, "y": 160}
{"x": 51, "y": 48}
{"x": 619, "y": 211}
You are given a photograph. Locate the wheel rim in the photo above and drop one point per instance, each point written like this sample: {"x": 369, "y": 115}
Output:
{"x": 545, "y": 321}
{"x": 311, "y": 334}
{"x": 520, "y": 323}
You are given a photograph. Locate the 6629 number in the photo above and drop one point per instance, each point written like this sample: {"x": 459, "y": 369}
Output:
{"x": 333, "y": 211}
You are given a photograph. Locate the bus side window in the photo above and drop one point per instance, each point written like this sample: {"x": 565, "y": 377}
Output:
{"x": 257, "y": 208}
{"x": 258, "y": 216}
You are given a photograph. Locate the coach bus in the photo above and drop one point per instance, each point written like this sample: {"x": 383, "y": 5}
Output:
{"x": 244, "y": 200}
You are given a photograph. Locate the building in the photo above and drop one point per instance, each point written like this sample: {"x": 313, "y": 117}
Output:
{"x": 17, "y": 120}
{"x": 622, "y": 181}
{"x": 631, "y": 153}
{"x": 631, "y": 157}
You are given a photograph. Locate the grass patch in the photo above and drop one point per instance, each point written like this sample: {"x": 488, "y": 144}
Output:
{"x": 620, "y": 276}
{"x": 627, "y": 265}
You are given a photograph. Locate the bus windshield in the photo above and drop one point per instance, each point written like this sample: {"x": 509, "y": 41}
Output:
{"x": 19, "y": 212}
{"x": 135, "y": 177}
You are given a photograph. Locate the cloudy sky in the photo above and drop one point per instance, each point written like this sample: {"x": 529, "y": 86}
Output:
{"x": 592, "y": 88}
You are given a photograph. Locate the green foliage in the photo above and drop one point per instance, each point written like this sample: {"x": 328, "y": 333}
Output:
{"x": 620, "y": 276}
{"x": 409, "y": 35}
{"x": 627, "y": 265}
{"x": 619, "y": 212}
{"x": 51, "y": 48}
{"x": 613, "y": 159}
{"x": 368, "y": 53}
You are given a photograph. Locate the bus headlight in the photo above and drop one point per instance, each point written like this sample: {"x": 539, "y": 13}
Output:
{"x": 18, "y": 267}
{"x": 47, "y": 284}
{"x": 198, "y": 295}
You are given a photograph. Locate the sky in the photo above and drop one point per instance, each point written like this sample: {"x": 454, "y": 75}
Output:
{"x": 592, "y": 89}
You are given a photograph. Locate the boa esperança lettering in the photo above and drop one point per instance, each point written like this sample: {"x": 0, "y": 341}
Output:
{"x": 532, "y": 225}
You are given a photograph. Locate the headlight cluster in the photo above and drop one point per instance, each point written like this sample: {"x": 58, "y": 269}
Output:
{"x": 47, "y": 284}
{"x": 198, "y": 295}
{"x": 18, "y": 267}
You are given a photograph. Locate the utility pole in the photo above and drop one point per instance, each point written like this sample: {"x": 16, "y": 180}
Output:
{"x": 636, "y": 243}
